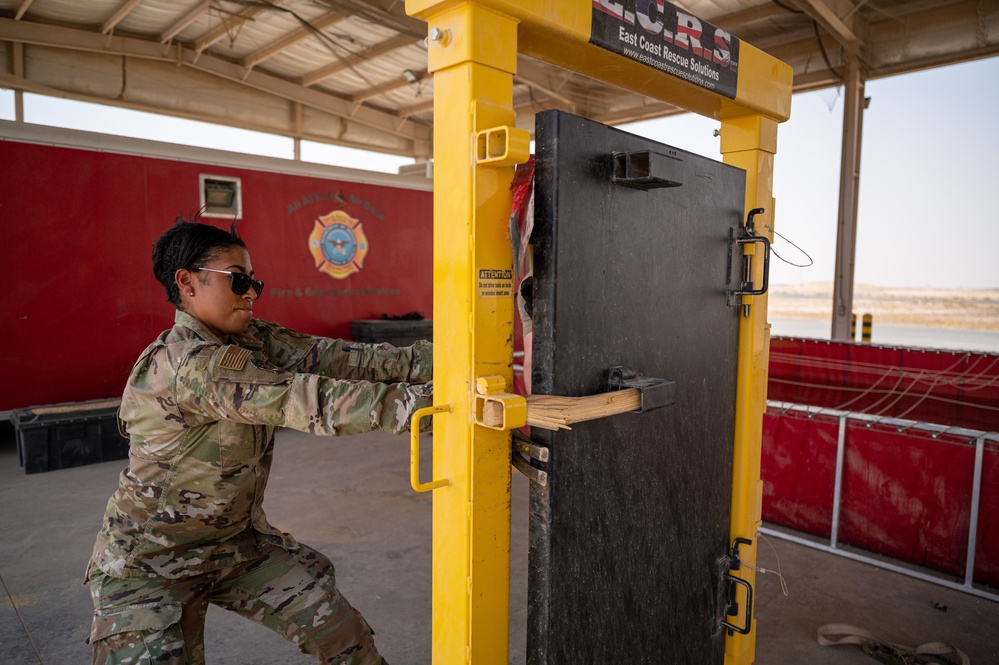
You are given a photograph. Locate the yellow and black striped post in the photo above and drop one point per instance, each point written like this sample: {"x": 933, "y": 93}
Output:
{"x": 868, "y": 325}
{"x": 853, "y": 328}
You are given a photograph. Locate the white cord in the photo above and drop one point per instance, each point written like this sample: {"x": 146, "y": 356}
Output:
{"x": 764, "y": 571}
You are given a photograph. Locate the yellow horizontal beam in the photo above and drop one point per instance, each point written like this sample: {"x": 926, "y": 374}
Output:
{"x": 559, "y": 31}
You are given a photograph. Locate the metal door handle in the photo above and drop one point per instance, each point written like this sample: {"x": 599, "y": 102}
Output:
{"x": 734, "y": 607}
{"x": 753, "y": 237}
{"x": 766, "y": 267}
{"x": 414, "y": 449}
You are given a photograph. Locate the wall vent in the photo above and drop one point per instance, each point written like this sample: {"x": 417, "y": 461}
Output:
{"x": 221, "y": 196}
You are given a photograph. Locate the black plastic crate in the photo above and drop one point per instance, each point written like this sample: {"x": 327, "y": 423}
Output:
{"x": 395, "y": 332}
{"x": 61, "y": 436}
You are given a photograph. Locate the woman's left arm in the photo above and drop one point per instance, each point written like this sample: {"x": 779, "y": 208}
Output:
{"x": 339, "y": 359}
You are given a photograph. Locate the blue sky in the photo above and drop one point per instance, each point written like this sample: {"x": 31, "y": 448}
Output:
{"x": 929, "y": 196}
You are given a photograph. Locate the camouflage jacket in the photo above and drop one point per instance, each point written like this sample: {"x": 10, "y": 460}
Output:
{"x": 201, "y": 417}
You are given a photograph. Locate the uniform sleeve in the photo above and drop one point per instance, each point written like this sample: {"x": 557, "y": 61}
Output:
{"x": 337, "y": 359}
{"x": 225, "y": 383}
{"x": 370, "y": 362}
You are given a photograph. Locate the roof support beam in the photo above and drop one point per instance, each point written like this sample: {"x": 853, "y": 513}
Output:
{"x": 388, "y": 86}
{"x": 314, "y": 98}
{"x": 23, "y": 8}
{"x": 291, "y": 38}
{"x": 394, "y": 17}
{"x": 533, "y": 75}
{"x": 69, "y": 38}
{"x": 746, "y": 16}
{"x": 534, "y": 85}
{"x": 416, "y": 109}
{"x": 355, "y": 59}
{"x": 119, "y": 16}
{"x": 825, "y": 15}
{"x": 186, "y": 20}
{"x": 222, "y": 30}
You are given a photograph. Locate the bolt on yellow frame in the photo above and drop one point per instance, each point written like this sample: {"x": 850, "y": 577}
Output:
{"x": 472, "y": 52}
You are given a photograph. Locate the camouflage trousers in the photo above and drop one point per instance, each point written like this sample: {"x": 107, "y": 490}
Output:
{"x": 139, "y": 621}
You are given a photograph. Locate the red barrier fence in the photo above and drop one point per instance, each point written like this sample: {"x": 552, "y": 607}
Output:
{"x": 907, "y": 490}
{"x": 954, "y": 388}
{"x": 860, "y": 466}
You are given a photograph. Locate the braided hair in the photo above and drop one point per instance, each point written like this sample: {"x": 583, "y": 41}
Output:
{"x": 189, "y": 244}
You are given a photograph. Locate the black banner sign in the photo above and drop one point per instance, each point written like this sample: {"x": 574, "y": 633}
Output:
{"x": 667, "y": 38}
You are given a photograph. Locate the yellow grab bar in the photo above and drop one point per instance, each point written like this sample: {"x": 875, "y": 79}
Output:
{"x": 414, "y": 449}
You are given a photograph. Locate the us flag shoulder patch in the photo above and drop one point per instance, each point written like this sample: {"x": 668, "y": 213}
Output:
{"x": 234, "y": 358}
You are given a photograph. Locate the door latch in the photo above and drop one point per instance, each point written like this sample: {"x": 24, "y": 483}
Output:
{"x": 747, "y": 242}
{"x": 732, "y": 583}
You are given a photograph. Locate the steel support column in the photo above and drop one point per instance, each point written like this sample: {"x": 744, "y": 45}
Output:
{"x": 849, "y": 194}
{"x": 472, "y": 53}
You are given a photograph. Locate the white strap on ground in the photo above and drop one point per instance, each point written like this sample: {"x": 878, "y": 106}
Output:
{"x": 837, "y": 634}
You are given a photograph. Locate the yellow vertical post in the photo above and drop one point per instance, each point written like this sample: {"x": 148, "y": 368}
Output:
{"x": 472, "y": 53}
{"x": 750, "y": 142}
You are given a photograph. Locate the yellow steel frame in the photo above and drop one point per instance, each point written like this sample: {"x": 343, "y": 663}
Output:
{"x": 472, "y": 52}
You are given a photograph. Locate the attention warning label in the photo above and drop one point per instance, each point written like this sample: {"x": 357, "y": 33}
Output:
{"x": 495, "y": 283}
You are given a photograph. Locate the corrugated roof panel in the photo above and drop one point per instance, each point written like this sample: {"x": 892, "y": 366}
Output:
{"x": 359, "y": 77}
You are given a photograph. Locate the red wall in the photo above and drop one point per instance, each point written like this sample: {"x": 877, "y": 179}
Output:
{"x": 79, "y": 301}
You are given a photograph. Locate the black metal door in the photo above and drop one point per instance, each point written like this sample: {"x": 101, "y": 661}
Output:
{"x": 628, "y": 538}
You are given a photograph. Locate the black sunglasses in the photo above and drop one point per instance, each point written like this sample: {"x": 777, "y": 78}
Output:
{"x": 241, "y": 282}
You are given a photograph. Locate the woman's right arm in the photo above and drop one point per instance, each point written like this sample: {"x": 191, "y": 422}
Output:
{"x": 340, "y": 359}
{"x": 224, "y": 383}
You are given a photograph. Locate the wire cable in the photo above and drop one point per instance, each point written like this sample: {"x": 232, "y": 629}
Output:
{"x": 764, "y": 571}
{"x": 784, "y": 238}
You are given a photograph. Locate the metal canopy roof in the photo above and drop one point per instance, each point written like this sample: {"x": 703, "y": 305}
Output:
{"x": 354, "y": 72}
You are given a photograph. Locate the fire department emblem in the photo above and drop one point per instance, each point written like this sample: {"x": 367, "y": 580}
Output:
{"x": 338, "y": 244}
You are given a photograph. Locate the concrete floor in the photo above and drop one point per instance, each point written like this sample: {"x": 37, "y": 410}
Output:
{"x": 351, "y": 499}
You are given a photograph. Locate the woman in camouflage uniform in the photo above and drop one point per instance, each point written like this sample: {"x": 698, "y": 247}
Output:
{"x": 185, "y": 527}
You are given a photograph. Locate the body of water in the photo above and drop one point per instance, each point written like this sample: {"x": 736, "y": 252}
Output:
{"x": 926, "y": 338}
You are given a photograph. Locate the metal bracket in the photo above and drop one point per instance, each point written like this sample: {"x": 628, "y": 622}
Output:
{"x": 502, "y": 146}
{"x": 497, "y": 409}
{"x": 521, "y": 444}
{"x": 646, "y": 170}
{"x": 733, "y": 582}
{"x": 656, "y": 393}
